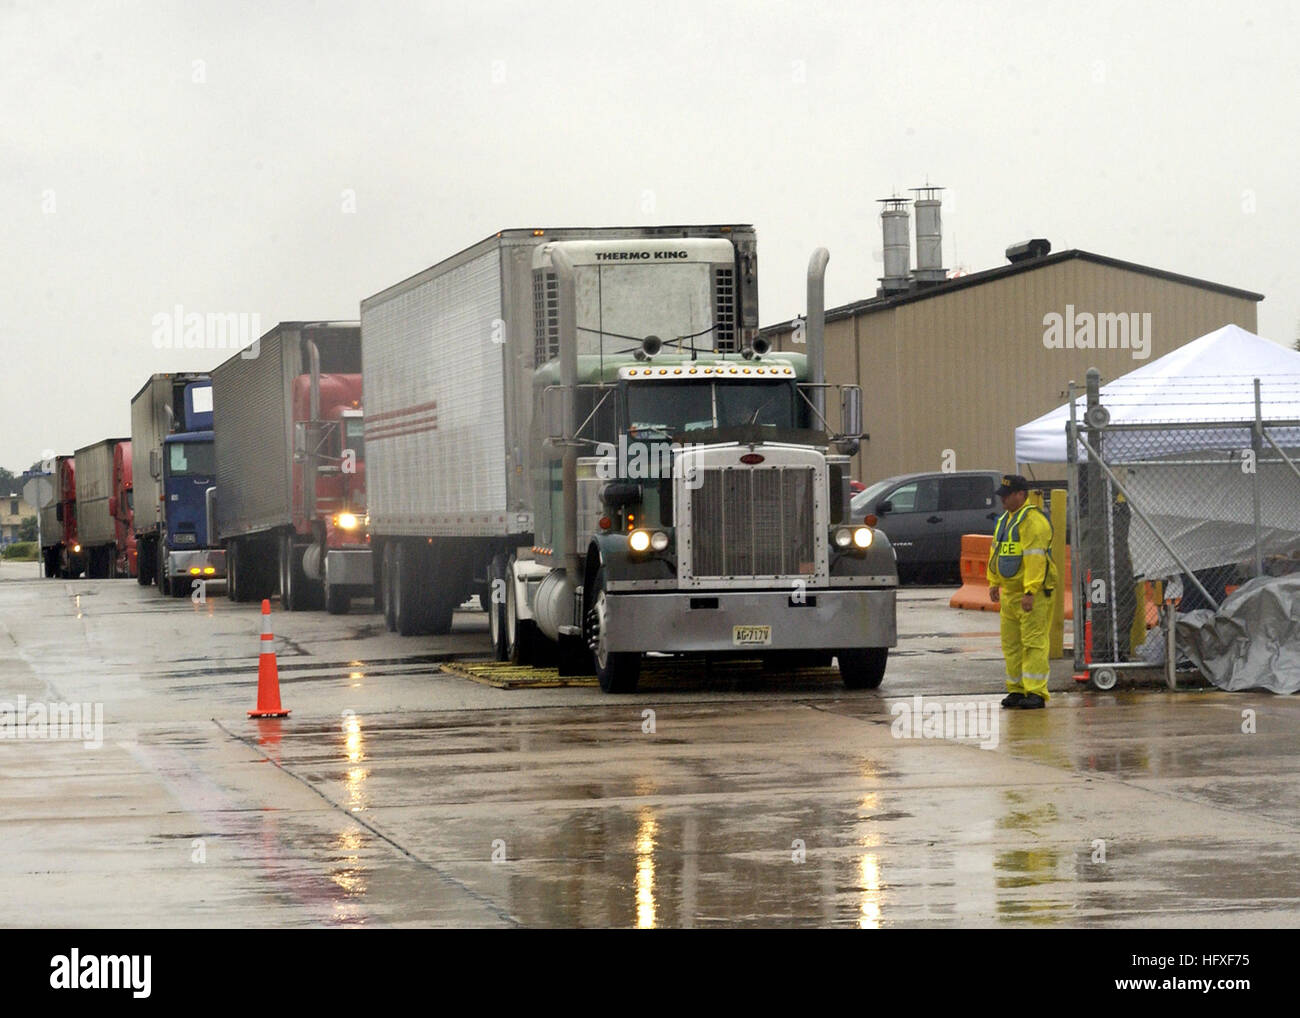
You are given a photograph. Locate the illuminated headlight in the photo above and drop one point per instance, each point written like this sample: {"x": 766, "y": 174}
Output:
{"x": 76, "y": 549}
{"x": 639, "y": 540}
{"x": 843, "y": 537}
{"x": 658, "y": 540}
{"x": 346, "y": 521}
{"x": 862, "y": 537}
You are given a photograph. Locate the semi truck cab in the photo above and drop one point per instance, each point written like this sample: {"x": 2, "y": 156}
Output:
{"x": 188, "y": 473}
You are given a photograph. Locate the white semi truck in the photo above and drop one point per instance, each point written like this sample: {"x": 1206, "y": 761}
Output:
{"x": 583, "y": 426}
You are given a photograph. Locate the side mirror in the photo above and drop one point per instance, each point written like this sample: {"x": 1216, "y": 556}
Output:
{"x": 299, "y": 441}
{"x": 112, "y": 506}
{"x": 851, "y": 411}
{"x": 58, "y": 512}
{"x": 884, "y": 506}
{"x": 155, "y": 464}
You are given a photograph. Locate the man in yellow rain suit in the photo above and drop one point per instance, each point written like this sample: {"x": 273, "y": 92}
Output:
{"x": 1022, "y": 580}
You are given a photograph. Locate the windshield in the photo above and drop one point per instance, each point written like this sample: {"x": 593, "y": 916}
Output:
{"x": 666, "y": 408}
{"x": 185, "y": 458}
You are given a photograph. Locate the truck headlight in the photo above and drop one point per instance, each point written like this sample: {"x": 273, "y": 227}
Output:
{"x": 346, "y": 521}
{"x": 658, "y": 540}
{"x": 843, "y": 537}
{"x": 862, "y": 537}
{"x": 639, "y": 540}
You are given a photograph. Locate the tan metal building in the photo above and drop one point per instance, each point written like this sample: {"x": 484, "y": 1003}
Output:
{"x": 949, "y": 370}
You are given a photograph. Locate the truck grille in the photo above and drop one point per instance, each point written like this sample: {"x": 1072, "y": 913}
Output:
{"x": 748, "y": 522}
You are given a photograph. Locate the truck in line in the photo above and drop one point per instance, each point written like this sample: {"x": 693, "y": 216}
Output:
{"x": 291, "y": 468}
{"x": 171, "y": 425}
{"x": 122, "y": 508}
{"x": 585, "y": 423}
{"x": 60, "y": 544}
{"x": 97, "y": 524}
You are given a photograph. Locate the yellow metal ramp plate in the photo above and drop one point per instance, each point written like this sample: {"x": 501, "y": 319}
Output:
{"x": 656, "y": 673}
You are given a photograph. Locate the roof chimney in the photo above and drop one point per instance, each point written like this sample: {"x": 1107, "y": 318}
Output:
{"x": 929, "y": 237}
{"x": 895, "y": 223}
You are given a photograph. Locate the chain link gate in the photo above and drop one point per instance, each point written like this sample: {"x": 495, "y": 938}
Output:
{"x": 1171, "y": 516}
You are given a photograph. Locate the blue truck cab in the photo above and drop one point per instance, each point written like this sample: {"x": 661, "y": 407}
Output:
{"x": 188, "y": 481}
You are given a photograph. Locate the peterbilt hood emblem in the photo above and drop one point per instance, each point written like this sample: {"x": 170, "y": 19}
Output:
{"x": 752, "y": 458}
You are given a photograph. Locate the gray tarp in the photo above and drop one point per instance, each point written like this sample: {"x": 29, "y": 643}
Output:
{"x": 1252, "y": 641}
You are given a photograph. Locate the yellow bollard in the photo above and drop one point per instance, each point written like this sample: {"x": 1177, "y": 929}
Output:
{"x": 1056, "y": 634}
{"x": 1137, "y": 634}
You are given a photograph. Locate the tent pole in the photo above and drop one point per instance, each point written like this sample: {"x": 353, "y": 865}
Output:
{"x": 1257, "y": 445}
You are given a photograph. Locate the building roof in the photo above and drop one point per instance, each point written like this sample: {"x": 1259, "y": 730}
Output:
{"x": 879, "y": 303}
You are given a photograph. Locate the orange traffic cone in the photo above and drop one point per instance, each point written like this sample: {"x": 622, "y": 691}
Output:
{"x": 268, "y": 675}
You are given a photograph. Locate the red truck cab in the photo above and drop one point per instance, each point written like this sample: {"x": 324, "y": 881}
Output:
{"x": 121, "y": 507}
{"x": 330, "y": 444}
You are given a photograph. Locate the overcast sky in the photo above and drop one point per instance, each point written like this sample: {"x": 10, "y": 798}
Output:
{"x": 291, "y": 158}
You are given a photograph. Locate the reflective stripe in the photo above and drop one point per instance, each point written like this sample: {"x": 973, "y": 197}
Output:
{"x": 1036, "y": 675}
{"x": 1035, "y": 551}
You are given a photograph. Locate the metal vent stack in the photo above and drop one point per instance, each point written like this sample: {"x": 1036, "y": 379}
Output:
{"x": 895, "y": 224}
{"x": 929, "y": 236}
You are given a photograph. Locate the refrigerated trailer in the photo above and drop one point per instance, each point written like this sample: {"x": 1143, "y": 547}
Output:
{"x": 585, "y": 425}
{"x": 291, "y": 471}
{"x": 97, "y": 505}
{"x": 171, "y": 433}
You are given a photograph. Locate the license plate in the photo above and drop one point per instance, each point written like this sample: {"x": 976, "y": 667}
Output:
{"x": 183, "y": 538}
{"x": 751, "y": 636}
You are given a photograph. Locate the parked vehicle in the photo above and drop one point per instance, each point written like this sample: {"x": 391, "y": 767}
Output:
{"x": 97, "y": 524}
{"x": 925, "y": 516}
{"x": 171, "y": 424}
{"x": 122, "y": 508}
{"x": 583, "y": 426}
{"x": 291, "y": 468}
{"x": 60, "y": 544}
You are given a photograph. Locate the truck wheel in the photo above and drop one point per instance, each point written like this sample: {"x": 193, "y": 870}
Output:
{"x": 496, "y": 608}
{"x": 182, "y": 586}
{"x": 144, "y": 563}
{"x": 386, "y": 571}
{"x": 164, "y": 583}
{"x": 407, "y": 601}
{"x": 617, "y": 672}
{"x": 863, "y": 668}
{"x": 297, "y": 592}
{"x": 520, "y": 634}
{"x": 234, "y": 590}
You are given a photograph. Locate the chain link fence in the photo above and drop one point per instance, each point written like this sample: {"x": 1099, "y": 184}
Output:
{"x": 1174, "y": 515}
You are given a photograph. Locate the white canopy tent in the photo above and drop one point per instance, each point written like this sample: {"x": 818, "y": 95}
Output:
{"x": 1210, "y": 379}
{"x": 1191, "y": 482}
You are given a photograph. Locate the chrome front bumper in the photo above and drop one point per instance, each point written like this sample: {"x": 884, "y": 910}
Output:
{"x": 179, "y": 563}
{"x": 349, "y": 567}
{"x": 711, "y": 620}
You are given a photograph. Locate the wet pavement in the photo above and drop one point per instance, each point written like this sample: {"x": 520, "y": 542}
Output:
{"x": 398, "y": 795}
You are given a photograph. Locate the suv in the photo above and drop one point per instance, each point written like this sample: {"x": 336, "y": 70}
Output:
{"x": 925, "y": 516}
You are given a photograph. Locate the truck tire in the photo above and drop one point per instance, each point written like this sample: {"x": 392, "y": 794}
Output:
{"x": 520, "y": 635}
{"x": 160, "y": 560}
{"x": 144, "y": 562}
{"x": 616, "y": 672}
{"x": 496, "y": 608}
{"x": 386, "y": 575}
{"x": 234, "y": 587}
{"x": 182, "y": 586}
{"x": 51, "y": 562}
{"x": 863, "y": 668}
{"x": 297, "y": 592}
